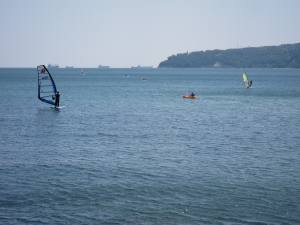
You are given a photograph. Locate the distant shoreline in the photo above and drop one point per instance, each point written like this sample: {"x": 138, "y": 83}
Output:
{"x": 162, "y": 68}
{"x": 282, "y": 56}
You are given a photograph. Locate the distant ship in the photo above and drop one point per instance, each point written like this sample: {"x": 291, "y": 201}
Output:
{"x": 53, "y": 66}
{"x": 103, "y": 67}
{"x": 142, "y": 67}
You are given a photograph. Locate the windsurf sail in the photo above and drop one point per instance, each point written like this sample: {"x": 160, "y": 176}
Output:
{"x": 46, "y": 86}
{"x": 245, "y": 77}
{"x": 246, "y": 80}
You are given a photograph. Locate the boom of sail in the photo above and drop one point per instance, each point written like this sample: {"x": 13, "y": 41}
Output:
{"x": 46, "y": 86}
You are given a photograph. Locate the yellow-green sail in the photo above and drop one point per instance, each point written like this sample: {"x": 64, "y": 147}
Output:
{"x": 245, "y": 77}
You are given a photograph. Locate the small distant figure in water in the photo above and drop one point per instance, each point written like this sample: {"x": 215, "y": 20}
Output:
{"x": 57, "y": 96}
{"x": 250, "y": 83}
{"x": 190, "y": 95}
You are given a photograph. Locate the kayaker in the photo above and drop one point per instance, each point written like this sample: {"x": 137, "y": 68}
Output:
{"x": 192, "y": 94}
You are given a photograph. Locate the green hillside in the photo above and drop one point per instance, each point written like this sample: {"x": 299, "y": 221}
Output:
{"x": 282, "y": 56}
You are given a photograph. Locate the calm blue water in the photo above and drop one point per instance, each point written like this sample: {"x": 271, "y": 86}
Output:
{"x": 128, "y": 150}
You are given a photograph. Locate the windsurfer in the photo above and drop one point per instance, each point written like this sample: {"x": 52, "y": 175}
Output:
{"x": 57, "y": 96}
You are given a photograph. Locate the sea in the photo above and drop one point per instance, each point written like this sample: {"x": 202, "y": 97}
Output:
{"x": 126, "y": 148}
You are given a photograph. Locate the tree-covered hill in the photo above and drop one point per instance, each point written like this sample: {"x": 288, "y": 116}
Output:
{"x": 282, "y": 56}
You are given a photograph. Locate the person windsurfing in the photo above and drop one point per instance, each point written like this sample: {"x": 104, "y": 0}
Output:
{"x": 250, "y": 83}
{"x": 247, "y": 82}
{"x": 47, "y": 91}
{"x": 57, "y": 97}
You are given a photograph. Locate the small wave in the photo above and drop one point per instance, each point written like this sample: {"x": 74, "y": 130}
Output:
{"x": 107, "y": 134}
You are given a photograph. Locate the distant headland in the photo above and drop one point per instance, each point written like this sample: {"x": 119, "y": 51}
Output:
{"x": 282, "y": 56}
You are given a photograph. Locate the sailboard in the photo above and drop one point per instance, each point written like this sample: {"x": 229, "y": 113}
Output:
{"x": 46, "y": 86}
{"x": 247, "y": 82}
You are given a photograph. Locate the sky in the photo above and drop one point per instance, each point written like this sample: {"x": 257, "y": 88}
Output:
{"x": 125, "y": 33}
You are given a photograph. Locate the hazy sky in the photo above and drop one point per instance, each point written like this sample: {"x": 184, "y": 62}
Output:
{"x": 123, "y": 33}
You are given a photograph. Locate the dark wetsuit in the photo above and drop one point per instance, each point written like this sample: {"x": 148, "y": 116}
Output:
{"x": 57, "y": 96}
{"x": 250, "y": 83}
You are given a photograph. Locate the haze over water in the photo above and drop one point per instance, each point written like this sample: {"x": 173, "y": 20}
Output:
{"x": 127, "y": 149}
